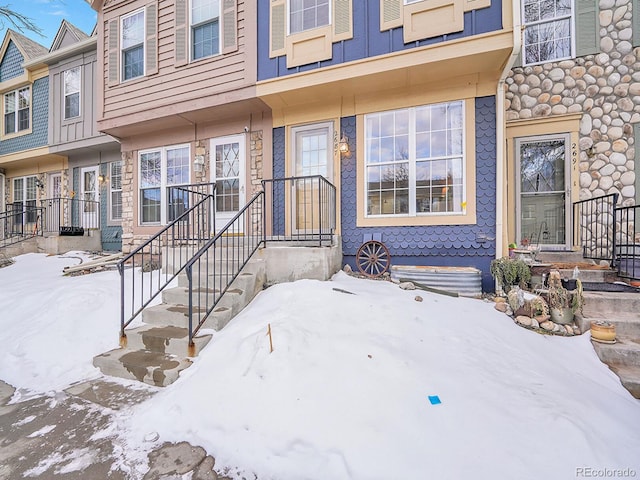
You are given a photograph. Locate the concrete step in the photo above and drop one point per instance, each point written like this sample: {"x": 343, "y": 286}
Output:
{"x": 153, "y": 368}
{"x": 178, "y": 315}
{"x": 629, "y": 377}
{"x": 203, "y": 298}
{"x": 164, "y": 339}
{"x": 551, "y": 256}
{"x": 612, "y": 305}
{"x": 589, "y": 276}
{"x": 627, "y": 327}
{"x": 626, "y": 351}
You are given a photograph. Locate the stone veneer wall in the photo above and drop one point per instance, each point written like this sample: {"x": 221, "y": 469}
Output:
{"x": 129, "y": 189}
{"x": 605, "y": 88}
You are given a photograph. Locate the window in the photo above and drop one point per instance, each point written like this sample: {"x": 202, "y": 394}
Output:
{"x": 205, "y": 28}
{"x": 24, "y": 200}
{"x": 160, "y": 170}
{"x": 414, "y": 161}
{"x": 72, "y": 93}
{"x": 115, "y": 190}
{"x": 17, "y": 110}
{"x": 548, "y": 30}
{"x": 132, "y": 45}
{"x": 307, "y": 14}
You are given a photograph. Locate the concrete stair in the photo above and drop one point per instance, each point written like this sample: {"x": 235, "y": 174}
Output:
{"x": 158, "y": 351}
{"x": 621, "y": 309}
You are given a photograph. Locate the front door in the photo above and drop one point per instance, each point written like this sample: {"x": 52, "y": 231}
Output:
{"x": 313, "y": 155}
{"x": 543, "y": 191}
{"x": 54, "y": 206}
{"x": 89, "y": 197}
{"x": 24, "y": 205}
{"x": 227, "y": 172}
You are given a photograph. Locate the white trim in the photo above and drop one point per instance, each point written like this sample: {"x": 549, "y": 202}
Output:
{"x": 64, "y": 93}
{"x": 572, "y": 34}
{"x": 144, "y": 44}
{"x": 241, "y": 140}
{"x": 288, "y": 19}
{"x": 191, "y": 39}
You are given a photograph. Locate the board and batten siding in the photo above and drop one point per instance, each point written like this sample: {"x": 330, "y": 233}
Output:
{"x": 194, "y": 85}
{"x": 82, "y": 127}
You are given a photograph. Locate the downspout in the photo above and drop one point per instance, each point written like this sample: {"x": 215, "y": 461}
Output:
{"x": 501, "y": 184}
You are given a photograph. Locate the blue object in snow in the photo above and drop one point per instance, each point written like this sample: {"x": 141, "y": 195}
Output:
{"x": 434, "y": 399}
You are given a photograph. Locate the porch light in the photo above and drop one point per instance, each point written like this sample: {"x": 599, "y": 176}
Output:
{"x": 343, "y": 146}
{"x": 102, "y": 179}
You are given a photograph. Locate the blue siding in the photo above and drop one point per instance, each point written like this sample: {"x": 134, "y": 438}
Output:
{"x": 278, "y": 199}
{"x": 11, "y": 65}
{"x": 368, "y": 40}
{"x": 39, "y": 118}
{"x": 447, "y": 245}
{"x": 110, "y": 235}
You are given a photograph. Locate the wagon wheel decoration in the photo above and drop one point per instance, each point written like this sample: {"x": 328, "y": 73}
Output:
{"x": 373, "y": 258}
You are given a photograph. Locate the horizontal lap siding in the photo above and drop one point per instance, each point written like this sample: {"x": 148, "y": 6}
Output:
{"x": 172, "y": 86}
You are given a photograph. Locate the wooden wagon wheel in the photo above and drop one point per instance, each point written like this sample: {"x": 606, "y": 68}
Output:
{"x": 373, "y": 258}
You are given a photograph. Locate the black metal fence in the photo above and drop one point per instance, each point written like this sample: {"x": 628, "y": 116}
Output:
{"x": 63, "y": 213}
{"x": 300, "y": 209}
{"x": 20, "y": 222}
{"x": 594, "y": 227}
{"x": 164, "y": 255}
{"x": 218, "y": 263}
{"x": 627, "y": 247}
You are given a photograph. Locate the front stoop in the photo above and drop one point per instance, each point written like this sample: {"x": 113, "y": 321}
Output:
{"x": 157, "y": 352}
{"x": 621, "y": 309}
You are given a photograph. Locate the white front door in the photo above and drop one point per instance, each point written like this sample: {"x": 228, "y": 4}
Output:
{"x": 228, "y": 172}
{"x": 313, "y": 148}
{"x": 54, "y": 206}
{"x": 89, "y": 195}
{"x": 543, "y": 198}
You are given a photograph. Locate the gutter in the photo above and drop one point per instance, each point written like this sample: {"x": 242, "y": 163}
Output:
{"x": 501, "y": 158}
{"x": 63, "y": 53}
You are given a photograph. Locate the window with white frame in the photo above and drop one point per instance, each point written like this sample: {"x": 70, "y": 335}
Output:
{"x": 115, "y": 190}
{"x": 414, "y": 161}
{"x": 17, "y": 110}
{"x": 308, "y": 14}
{"x": 205, "y": 28}
{"x": 24, "y": 199}
{"x": 548, "y": 30}
{"x": 71, "y": 93}
{"x": 132, "y": 45}
{"x": 160, "y": 170}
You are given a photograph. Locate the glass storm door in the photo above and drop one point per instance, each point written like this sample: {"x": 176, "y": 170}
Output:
{"x": 228, "y": 174}
{"x": 89, "y": 196}
{"x": 543, "y": 191}
{"x": 24, "y": 202}
{"x": 313, "y": 149}
{"x": 54, "y": 208}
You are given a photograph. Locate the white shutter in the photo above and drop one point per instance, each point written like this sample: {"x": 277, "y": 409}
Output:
{"x": 277, "y": 28}
{"x": 151, "y": 43}
{"x": 113, "y": 53}
{"x": 181, "y": 34}
{"x": 229, "y": 26}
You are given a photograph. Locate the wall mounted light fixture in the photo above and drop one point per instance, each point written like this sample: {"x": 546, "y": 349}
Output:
{"x": 343, "y": 146}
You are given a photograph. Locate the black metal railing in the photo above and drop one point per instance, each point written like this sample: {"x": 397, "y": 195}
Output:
{"x": 165, "y": 254}
{"x": 627, "y": 242}
{"x": 20, "y": 222}
{"x": 61, "y": 213}
{"x": 594, "y": 227}
{"x": 300, "y": 209}
{"x": 218, "y": 263}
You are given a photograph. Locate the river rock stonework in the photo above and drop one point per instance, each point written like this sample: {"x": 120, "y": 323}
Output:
{"x": 605, "y": 88}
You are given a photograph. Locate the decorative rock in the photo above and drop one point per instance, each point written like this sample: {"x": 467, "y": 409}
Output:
{"x": 407, "y": 286}
{"x": 556, "y": 74}
{"x": 418, "y": 298}
{"x": 501, "y": 307}
{"x": 568, "y": 329}
{"x": 558, "y": 328}
{"x": 576, "y": 330}
{"x": 617, "y": 159}
{"x": 541, "y": 318}
{"x": 628, "y": 178}
{"x": 548, "y": 326}
{"x": 347, "y": 268}
{"x": 534, "y": 323}
{"x": 541, "y": 110}
{"x": 523, "y": 320}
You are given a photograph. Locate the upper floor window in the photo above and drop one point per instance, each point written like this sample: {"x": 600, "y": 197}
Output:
{"x": 415, "y": 161}
{"x": 205, "y": 28}
{"x": 548, "y": 30}
{"x": 308, "y": 14}
{"x": 17, "y": 110}
{"x": 132, "y": 45}
{"x": 72, "y": 93}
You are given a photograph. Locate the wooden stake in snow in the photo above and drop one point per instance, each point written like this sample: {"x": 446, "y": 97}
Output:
{"x": 270, "y": 339}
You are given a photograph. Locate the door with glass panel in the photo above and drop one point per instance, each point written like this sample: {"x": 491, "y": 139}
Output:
{"x": 227, "y": 172}
{"x": 313, "y": 155}
{"x": 89, "y": 210}
{"x": 543, "y": 191}
{"x": 24, "y": 203}
{"x": 53, "y": 204}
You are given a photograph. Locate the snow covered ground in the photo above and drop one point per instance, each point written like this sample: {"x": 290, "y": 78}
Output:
{"x": 347, "y": 392}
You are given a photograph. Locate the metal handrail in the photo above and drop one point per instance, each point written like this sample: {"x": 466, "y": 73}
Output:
{"x": 597, "y": 239}
{"x": 627, "y": 242}
{"x": 210, "y": 275}
{"x": 302, "y": 208}
{"x": 187, "y": 231}
{"x": 70, "y": 212}
{"x": 13, "y": 228}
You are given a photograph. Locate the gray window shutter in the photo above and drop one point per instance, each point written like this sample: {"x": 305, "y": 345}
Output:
{"x": 390, "y": 14}
{"x": 229, "y": 26}
{"x": 114, "y": 53}
{"x": 587, "y": 27}
{"x": 151, "y": 44}
{"x": 278, "y": 28}
{"x": 181, "y": 33}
